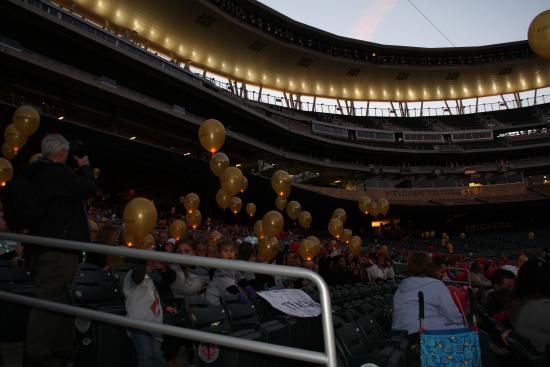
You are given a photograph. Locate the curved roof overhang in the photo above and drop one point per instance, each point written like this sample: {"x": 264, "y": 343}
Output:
{"x": 201, "y": 34}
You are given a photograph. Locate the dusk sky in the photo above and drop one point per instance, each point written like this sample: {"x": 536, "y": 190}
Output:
{"x": 397, "y": 22}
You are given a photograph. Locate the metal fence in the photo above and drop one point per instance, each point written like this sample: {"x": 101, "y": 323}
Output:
{"x": 328, "y": 358}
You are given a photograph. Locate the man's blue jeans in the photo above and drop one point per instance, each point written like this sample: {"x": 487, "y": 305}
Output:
{"x": 148, "y": 349}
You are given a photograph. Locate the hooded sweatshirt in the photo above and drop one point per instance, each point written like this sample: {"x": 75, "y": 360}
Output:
{"x": 440, "y": 312}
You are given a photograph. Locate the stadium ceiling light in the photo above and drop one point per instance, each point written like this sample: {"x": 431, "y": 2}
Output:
{"x": 61, "y": 117}
{"x": 187, "y": 153}
{"x": 133, "y": 138}
{"x": 238, "y": 165}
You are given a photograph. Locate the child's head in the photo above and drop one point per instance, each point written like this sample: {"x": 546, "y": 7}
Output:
{"x": 227, "y": 250}
{"x": 200, "y": 247}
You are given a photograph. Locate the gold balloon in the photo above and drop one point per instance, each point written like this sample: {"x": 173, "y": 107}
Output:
{"x": 6, "y": 171}
{"x": 259, "y": 229}
{"x": 191, "y": 202}
{"x": 96, "y": 172}
{"x": 177, "y": 229}
{"x": 308, "y": 249}
{"x": 251, "y": 209}
{"x": 268, "y": 248}
{"x": 341, "y": 214}
{"x": 194, "y": 219}
{"x": 214, "y": 237}
{"x": 218, "y": 163}
{"x": 462, "y": 235}
{"x": 26, "y": 119}
{"x": 432, "y": 234}
{"x": 280, "y": 203}
{"x": 280, "y": 181}
{"x": 140, "y": 217}
{"x": 450, "y": 248}
{"x": 272, "y": 223}
{"x": 363, "y": 204}
{"x": 383, "y": 206}
{"x": 539, "y": 34}
{"x": 223, "y": 199}
{"x": 315, "y": 240}
{"x": 14, "y": 137}
{"x": 232, "y": 180}
{"x": 355, "y": 245}
{"x": 35, "y": 157}
{"x": 8, "y": 151}
{"x": 335, "y": 227}
{"x": 531, "y": 236}
{"x": 373, "y": 208}
{"x": 130, "y": 238}
{"x": 236, "y": 204}
{"x": 293, "y": 209}
{"x": 304, "y": 218}
{"x": 211, "y": 135}
{"x": 244, "y": 184}
{"x": 346, "y": 235}
{"x": 423, "y": 235}
{"x": 149, "y": 242}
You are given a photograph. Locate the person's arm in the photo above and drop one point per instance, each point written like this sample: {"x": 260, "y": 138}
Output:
{"x": 138, "y": 273}
{"x": 77, "y": 185}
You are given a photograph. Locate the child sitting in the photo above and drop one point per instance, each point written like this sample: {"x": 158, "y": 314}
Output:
{"x": 224, "y": 282}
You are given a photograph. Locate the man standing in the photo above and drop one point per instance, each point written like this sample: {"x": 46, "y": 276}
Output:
{"x": 61, "y": 193}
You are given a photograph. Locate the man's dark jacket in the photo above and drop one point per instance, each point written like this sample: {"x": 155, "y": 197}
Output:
{"x": 61, "y": 192}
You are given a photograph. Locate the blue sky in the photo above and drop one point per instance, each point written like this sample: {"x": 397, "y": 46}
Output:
{"x": 397, "y": 22}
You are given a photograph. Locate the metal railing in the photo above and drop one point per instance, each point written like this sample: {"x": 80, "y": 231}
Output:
{"x": 328, "y": 358}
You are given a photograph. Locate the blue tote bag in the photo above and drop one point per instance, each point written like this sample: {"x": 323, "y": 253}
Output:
{"x": 448, "y": 348}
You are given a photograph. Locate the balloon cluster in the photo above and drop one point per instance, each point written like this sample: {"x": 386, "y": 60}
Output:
{"x": 25, "y": 122}
{"x": 232, "y": 180}
{"x": 372, "y": 207}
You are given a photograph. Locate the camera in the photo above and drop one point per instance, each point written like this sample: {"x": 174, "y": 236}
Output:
{"x": 77, "y": 149}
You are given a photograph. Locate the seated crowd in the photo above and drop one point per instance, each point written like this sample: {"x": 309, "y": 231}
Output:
{"x": 513, "y": 295}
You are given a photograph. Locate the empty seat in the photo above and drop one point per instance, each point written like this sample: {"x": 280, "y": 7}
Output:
{"x": 355, "y": 351}
{"x": 94, "y": 288}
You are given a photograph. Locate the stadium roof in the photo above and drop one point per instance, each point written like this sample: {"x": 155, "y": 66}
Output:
{"x": 247, "y": 41}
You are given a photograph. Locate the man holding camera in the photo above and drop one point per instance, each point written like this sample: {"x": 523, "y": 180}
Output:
{"x": 60, "y": 192}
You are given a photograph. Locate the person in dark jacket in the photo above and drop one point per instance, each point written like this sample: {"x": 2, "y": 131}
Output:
{"x": 61, "y": 192}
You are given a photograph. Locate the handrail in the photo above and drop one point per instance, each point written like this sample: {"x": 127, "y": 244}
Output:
{"x": 328, "y": 358}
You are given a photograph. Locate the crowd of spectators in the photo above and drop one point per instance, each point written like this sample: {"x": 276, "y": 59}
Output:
{"x": 494, "y": 280}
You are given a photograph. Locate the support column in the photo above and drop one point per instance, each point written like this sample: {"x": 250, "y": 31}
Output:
{"x": 340, "y": 106}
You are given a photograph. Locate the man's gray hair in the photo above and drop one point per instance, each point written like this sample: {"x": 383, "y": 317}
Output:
{"x": 53, "y": 144}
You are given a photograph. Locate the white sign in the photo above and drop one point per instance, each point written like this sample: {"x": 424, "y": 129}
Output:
{"x": 293, "y": 302}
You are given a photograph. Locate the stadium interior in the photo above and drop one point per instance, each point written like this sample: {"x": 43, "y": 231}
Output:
{"x": 134, "y": 81}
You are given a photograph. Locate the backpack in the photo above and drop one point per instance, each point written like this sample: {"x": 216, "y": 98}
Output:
{"x": 21, "y": 199}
